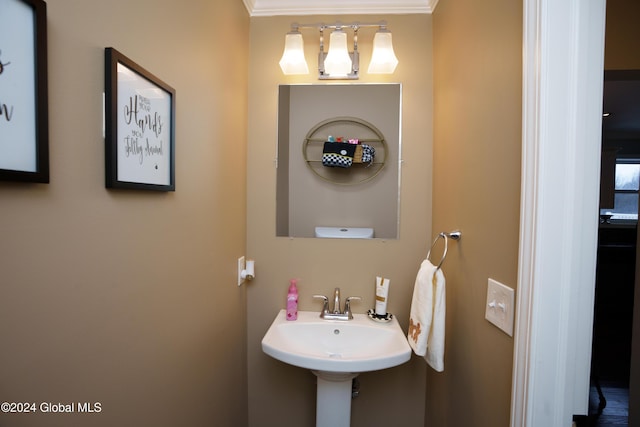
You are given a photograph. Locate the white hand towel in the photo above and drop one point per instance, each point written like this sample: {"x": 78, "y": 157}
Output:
{"x": 427, "y": 319}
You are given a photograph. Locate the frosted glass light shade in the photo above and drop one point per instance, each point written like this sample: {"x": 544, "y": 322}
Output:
{"x": 383, "y": 59}
{"x": 292, "y": 61}
{"x": 338, "y": 61}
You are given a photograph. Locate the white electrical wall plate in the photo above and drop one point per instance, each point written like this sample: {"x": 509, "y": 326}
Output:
{"x": 240, "y": 268}
{"x": 500, "y": 306}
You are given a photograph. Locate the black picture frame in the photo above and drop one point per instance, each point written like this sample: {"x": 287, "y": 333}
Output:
{"x": 24, "y": 114}
{"x": 139, "y": 127}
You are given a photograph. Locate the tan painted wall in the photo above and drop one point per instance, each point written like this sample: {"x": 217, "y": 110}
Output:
{"x": 283, "y": 394}
{"x": 477, "y": 146}
{"x": 128, "y": 298}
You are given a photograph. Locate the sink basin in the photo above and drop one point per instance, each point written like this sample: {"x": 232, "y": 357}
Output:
{"x": 357, "y": 345}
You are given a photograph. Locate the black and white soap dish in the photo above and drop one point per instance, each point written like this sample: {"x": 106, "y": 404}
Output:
{"x": 382, "y": 318}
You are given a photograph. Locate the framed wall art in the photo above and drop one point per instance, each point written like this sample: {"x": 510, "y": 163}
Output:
{"x": 139, "y": 127}
{"x": 24, "y": 123}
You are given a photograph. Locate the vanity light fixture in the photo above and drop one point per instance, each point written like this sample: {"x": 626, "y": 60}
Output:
{"x": 383, "y": 59}
{"x": 339, "y": 62}
{"x": 293, "y": 61}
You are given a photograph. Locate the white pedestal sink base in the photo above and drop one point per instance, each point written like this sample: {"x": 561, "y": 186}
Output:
{"x": 336, "y": 351}
{"x": 333, "y": 400}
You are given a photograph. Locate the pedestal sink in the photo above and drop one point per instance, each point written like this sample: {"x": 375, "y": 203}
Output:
{"x": 336, "y": 351}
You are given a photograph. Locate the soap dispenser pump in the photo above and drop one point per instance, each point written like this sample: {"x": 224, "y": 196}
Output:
{"x": 292, "y": 300}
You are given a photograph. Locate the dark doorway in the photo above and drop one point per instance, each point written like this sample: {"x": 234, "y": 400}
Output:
{"x": 617, "y": 244}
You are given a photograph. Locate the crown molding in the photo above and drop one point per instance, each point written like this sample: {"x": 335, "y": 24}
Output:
{"x": 338, "y": 7}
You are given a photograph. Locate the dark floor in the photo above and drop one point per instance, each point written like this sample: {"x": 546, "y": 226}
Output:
{"x": 616, "y": 411}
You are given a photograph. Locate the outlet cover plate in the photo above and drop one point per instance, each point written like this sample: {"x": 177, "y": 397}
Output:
{"x": 500, "y": 306}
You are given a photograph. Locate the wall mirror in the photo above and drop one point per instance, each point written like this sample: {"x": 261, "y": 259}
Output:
{"x": 311, "y": 191}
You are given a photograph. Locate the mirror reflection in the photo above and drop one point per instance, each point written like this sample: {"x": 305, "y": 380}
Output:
{"x": 338, "y": 160}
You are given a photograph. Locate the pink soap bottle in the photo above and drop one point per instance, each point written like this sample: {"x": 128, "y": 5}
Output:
{"x": 292, "y": 301}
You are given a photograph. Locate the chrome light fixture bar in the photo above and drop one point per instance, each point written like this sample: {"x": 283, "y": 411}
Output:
{"x": 339, "y": 62}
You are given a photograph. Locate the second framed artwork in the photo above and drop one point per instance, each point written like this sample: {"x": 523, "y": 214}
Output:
{"x": 140, "y": 127}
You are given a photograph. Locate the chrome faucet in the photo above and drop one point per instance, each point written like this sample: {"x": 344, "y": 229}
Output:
{"x": 336, "y": 301}
{"x": 336, "y": 314}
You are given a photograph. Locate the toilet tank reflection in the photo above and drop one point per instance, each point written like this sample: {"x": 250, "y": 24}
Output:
{"x": 344, "y": 232}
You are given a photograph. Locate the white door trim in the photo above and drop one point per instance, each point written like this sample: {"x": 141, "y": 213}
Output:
{"x": 563, "y": 63}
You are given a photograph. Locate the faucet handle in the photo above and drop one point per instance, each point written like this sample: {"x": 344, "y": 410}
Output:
{"x": 347, "y": 306}
{"x": 325, "y": 303}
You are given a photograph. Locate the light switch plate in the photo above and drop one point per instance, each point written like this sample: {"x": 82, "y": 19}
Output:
{"x": 500, "y": 306}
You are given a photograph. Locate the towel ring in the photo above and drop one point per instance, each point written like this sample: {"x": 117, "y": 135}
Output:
{"x": 455, "y": 235}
